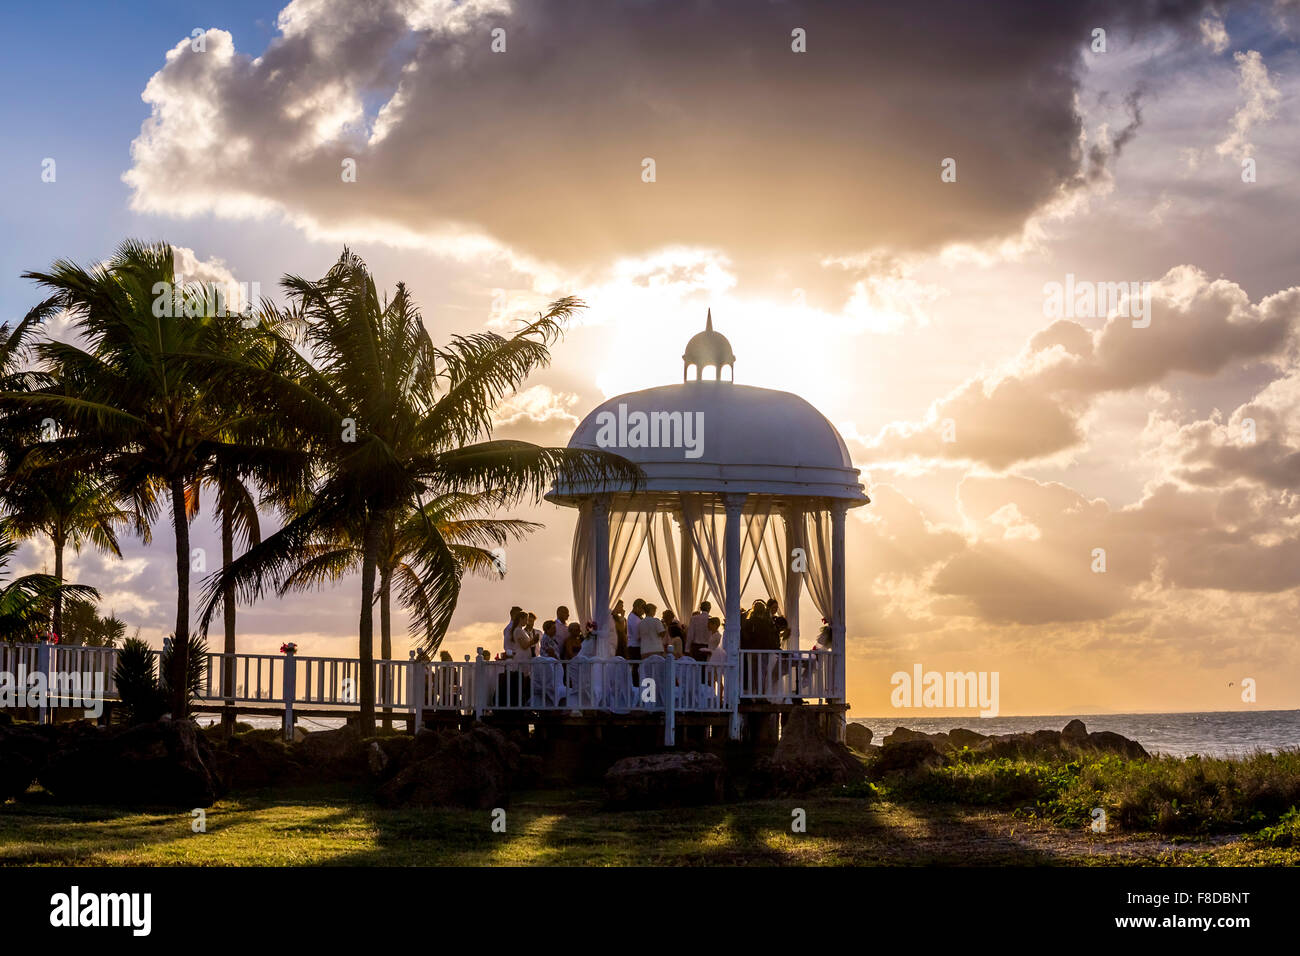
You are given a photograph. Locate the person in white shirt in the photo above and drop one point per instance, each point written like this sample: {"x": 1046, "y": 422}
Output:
{"x": 697, "y": 633}
{"x": 523, "y": 638}
{"x": 508, "y": 642}
{"x": 717, "y": 652}
{"x": 651, "y": 634}
{"x": 634, "y": 630}
{"x": 536, "y": 633}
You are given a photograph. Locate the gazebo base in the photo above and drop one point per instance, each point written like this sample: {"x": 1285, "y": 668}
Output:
{"x": 598, "y": 725}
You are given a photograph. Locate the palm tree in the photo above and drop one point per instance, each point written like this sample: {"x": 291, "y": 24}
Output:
{"x": 459, "y": 519}
{"x": 24, "y": 601}
{"x": 237, "y": 517}
{"x": 394, "y": 422}
{"x": 67, "y": 506}
{"x": 135, "y": 401}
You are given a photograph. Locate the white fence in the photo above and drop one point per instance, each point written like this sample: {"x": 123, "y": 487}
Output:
{"x": 610, "y": 685}
{"x": 787, "y": 675}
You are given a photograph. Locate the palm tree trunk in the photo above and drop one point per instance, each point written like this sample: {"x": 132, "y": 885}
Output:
{"x": 369, "y": 558}
{"x": 228, "y": 617}
{"x": 386, "y": 635}
{"x": 57, "y": 626}
{"x": 180, "y": 643}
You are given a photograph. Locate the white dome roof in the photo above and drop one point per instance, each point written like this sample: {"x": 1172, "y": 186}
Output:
{"x": 720, "y": 437}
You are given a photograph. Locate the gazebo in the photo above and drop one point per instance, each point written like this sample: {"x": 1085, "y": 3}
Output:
{"x": 737, "y": 478}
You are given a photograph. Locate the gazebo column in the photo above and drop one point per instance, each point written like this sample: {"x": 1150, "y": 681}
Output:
{"x": 687, "y": 571}
{"x": 794, "y": 538}
{"x": 838, "y": 604}
{"x": 734, "y": 504}
{"x": 600, "y": 546}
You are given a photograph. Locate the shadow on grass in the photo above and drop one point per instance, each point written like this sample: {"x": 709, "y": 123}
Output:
{"x": 342, "y": 826}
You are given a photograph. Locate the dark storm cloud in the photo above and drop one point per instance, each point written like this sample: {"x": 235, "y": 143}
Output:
{"x": 777, "y": 158}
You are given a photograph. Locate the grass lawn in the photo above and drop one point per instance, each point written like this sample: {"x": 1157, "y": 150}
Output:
{"x": 336, "y": 825}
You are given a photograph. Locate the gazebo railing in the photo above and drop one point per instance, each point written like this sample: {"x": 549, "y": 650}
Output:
{"x": 416, "y": 688}
{"x": 787, "y": 675}
{"x": 613, "y": 685}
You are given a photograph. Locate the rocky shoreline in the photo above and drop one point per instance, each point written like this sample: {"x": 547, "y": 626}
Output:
{"x": 175, "y": 764}
{"x": 906, "y": 750}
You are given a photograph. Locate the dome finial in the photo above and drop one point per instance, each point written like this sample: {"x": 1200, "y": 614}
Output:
{"x": 708, "y": 348}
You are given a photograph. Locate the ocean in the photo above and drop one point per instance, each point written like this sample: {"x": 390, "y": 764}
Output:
{"x": 1210, "y": 734}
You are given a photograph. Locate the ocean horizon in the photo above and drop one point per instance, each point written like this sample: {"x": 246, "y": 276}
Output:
{"x": 1208, "y": 733}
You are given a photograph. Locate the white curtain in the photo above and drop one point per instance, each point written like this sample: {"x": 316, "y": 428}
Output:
{"x": 817, "y": 538}
{"x": 775, "y": 553}
{"x": 666, "y": 553}
{"x": 627, "y": 531}
{"x": 707, "y": 521}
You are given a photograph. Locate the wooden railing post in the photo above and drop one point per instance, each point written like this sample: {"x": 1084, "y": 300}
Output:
{"x": 670, "y": 702}
{"x": 417, "y": 683}
{"x": 290, "y": 691}
{"x": 480, "y": 684}
{"x": 43, "y": 666}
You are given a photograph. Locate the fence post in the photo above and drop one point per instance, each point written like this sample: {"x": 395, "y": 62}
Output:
{"x": 43, "y": 666}
{"x": 480, "y": 685}
{"x": 418, "y": 674}
{"x": 733, "y": 676}
{"x": 670, "y": 702}
{"x": 290, "y": 691}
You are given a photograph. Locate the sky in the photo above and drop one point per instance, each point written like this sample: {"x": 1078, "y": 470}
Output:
{"x": 882, "y": 204}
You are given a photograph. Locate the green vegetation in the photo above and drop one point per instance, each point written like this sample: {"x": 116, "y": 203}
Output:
{"x": 998, "y": 812}
{"x": 1166, "y": 795}
{"x": 372, "y": 441}
{"x": 144, "y": 694}
{"x": 339, "y": 826}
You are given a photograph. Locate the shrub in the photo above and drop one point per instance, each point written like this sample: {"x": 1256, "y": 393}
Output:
{"x": 196, "y": 666}
{"x": 142, "y": 690}
{"x": 137, "y": 685}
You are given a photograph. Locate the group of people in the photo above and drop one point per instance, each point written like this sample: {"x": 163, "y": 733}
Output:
{"x": 643, "y": 633}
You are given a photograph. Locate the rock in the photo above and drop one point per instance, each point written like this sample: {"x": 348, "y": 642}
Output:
{"x": 858, "y": 737}
{"x": 334, "y": 754}
{"x": 1111, "y": 742}
{"x": 24, "y": 750}
{"x": 665, "y": 780}
{"x": 256, "y": 760}
{"x": 960, "y": 737}
{"x": 907, "y": 756}
{"x": 474, "y": 769}
{"x": 1054, "y": 743}
{"x": 376, "y": 758}
{"x": 804, "y": 758}
{"x": 166, "y": 763}
{"x": 902, "y": 735}
{"x": 1045, "y": 740}
{"x": 1039, "y": 743}
{"x": 385, "y": 756}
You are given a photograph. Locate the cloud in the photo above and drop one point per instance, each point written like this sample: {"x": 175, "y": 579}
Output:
{"x": 1260, "y": 98}
{"x": 1035, "y": 407}
{"x": 1214, "y": 34}
{"x": 778, "y": 159}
